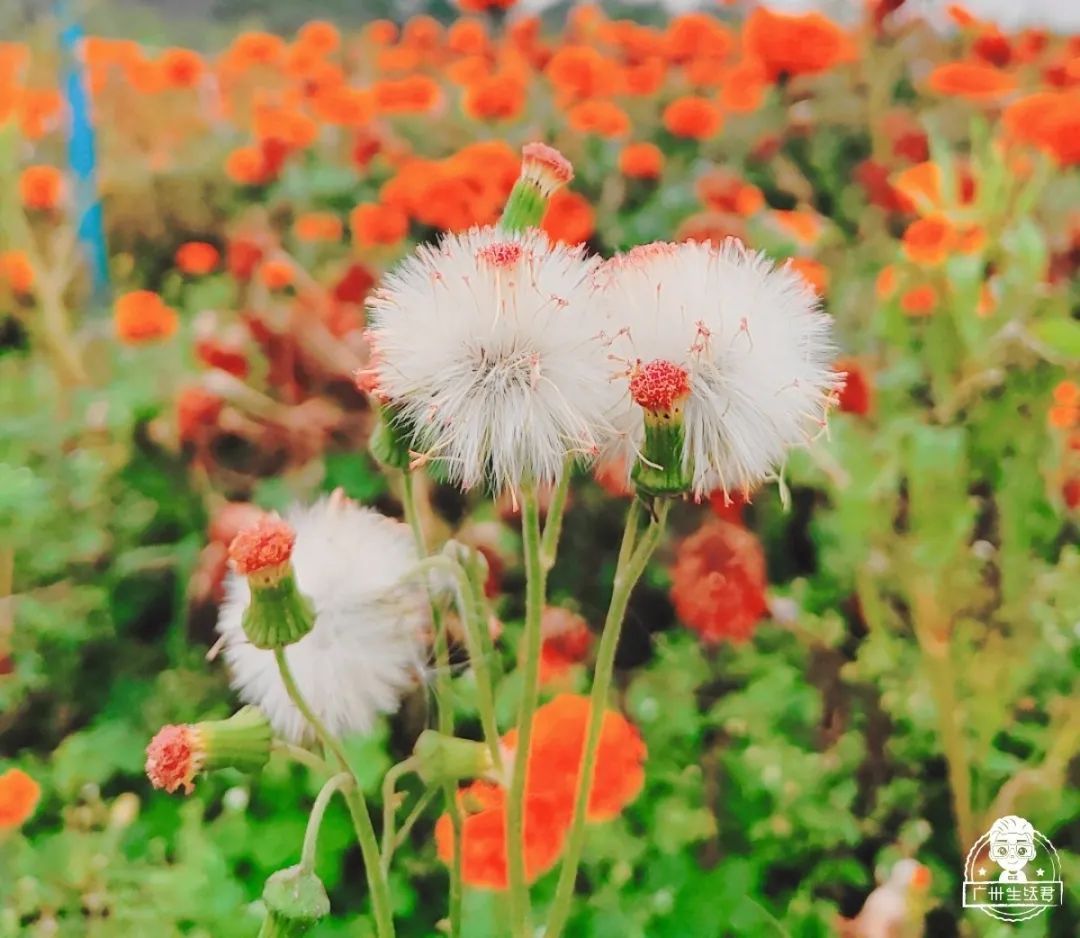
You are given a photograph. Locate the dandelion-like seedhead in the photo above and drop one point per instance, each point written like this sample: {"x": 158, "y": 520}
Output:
{"x": 749, "y": 335}
{"x": 367, "y": 646}
{"x": 489, "y": 355}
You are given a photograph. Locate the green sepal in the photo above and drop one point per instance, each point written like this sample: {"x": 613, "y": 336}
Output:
{"x": 662, "y": 469}
{"x": 278, "y": 614}
{"x": 240, "y": 742}
{"x": 448, "y": 759}
{"x": 525, "y": 208}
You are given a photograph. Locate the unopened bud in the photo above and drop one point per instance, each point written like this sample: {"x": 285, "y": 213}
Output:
{"x": 448, "y": 759}
{"x": 295, "y": 900}
{"x": 543, "y": 171}
{"x": 661, "y": 388}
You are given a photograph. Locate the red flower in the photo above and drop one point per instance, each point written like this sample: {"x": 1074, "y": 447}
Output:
{"x": 857, "y": 395}
{"x": 566, "y": 643}
{"x": 718, "y": 582}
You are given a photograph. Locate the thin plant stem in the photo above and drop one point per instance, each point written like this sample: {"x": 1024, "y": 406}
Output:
{"x": 549, "y": 543}
{"x": 354, "y": 798}
{"x": 413, "y": 816}
{"x": 315, "y": 819}
{"x": 446, "y": 713}
{"x": 631, "y": 564}
{"x": 535, "y": 582}
{"x": 389, "y": 807}
{"x": 301, "y": 755}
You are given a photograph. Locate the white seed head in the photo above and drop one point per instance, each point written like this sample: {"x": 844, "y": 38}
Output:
{"x": 488, "y": 349}
{"x": 368, "y": 645}
{"x": 751, "y": 337}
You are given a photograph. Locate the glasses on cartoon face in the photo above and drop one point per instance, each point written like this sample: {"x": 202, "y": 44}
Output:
{"x": 1023, "y": 850}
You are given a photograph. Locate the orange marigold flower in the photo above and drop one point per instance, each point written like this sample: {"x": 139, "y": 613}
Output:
{"x": 805, "y": 226}
{"x": 643, "y": 79}
{"x": 483, "y": 835}
{"x": 570, "y": 217}
{"x": 16, "y": 271}
{"x": 919, "y": 301}
{"x": 971, "y": 80}
{"x": 318, "y": 226}
{"x": 380, "y": 32}
{"x": 494, "y": 97}
{"x": 718, "y": 582}
{"x": 374, "y": 224}
{"x": 579, "y": 72}
{"x": 181, "y": 68}
{"x": 813, "y": 272}
{"x": 921, "y": 185}
{"x": 319, "y": 35}
{"x": 483, "y": 6}
{"x": 39, "y": 110}
{"x": 641, "y": 161}
{"x": 743, "y": 88}
{"x": 142, "y": 316}
{"x": 256, "y": 48}
{"x": 41, "y": 187}
{"x": 693, "y": 117}
{"x": 723, "y": 191}
{"x": 416, "y": 94}
{"x": 566, "y": 643}
{"x": 197, "y": 258}
{"x": 970, "y": 239}
{"x": 930, "y": 240}
{"x": 697, "y": 36}
{"x": 1067, "y": 392}
{"x": 19, "y": 795}
{"x": 1049, "y": 120}
{"x": 885, "y": 285}
{"x": 602, "y": 118}
{"x": 467, "y": 37}
{"x": 277, "y": 274}
{"x": 857, "y": 395}
{"x": 796, "y": 44}
{"x": 245, "y": 166}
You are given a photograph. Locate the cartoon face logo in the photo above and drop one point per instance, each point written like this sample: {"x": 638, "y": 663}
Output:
{"x": 1012, "y": 845}
{"x": 1012, "y": 872}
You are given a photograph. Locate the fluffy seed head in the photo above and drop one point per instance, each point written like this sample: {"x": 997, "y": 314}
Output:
{"x": 545, "y": 166}
{"x": 490, "y": 356}
{"x": 366, "y": 648}
{"x": 749, "y": 336}
{"x": 266, "y": 544}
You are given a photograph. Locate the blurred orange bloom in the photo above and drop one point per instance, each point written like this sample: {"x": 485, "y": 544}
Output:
{"x": 1049, "y": 120}
{"x": 697, "y": 36}
{"x": 19, "y": 795}
{"x": 416, "y": 94}
{"x": 645, "y": 78}
{"x": 256, "y": 48}
{"x": 277, "y": 274}
{"x": 692, "y": 117}
{"x": 467, "y": 37}
{"x": 723, "y": 191}
{"x": 196, "y": 410}
{"x": 813, "y": 272}
{"x": 245, "y": 166}
{"x": 972, "y": 80}
{"x": 579, "y": 72}
{"x": 885, "y": 285}
{"x": 566, "y": 643}
{"x": 286, "y": 124}
{"x": 39, "y": 109}
{"x": 603, "y": 118}
{"x": 494, "y": 97}
{"x": 197, "y": 257}
{"x": 919, "y": 301}
{"x": 141, "y": 316}
{"x": 16, "y": 271}
{"x": 320, "y": 36}
{"x": 641, "y": 161}
{"x": 804, "y": 226}
{"x": 381, "y": 32}
{"x": 318, "y": 226}
{"x": 743, "y": 88}
{"x": 343, "y": 106}
{"x": 929, "y": 240}
{"x": 374, "y": 224}
{"x": 795, "y": 44}
{"x": 570, "y": 217}
{"x": 181, "y": 68}
{"x": 41, "y": 187}
{"x": 920, "y": 185}
{"x": 482, "y": 6}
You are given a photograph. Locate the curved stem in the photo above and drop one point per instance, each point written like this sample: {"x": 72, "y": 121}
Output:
{"x": 354, "y": 798}
{"x": 631, "y": 564}
{"x": 413, "y": 816}
{"x": 535, "y": 582}
{"x": 549, "y": 543}
{"x": 315, "y": 819}
{"x": 389, "y": 807}
{"x": 446, "y": 712}
{"x": 301, "y": 755}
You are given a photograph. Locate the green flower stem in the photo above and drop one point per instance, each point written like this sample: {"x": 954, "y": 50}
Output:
{"x": 631, "y": 564}
{"x": 446, "y": 711}
{"x": 311, "y": 835}
{"x": 549, "y": 543}
{"x": 301, "y": 755}
{"x": 389, "y": 807}
{"x": 354, "y": 798}
{"x": 535, "y": 583}
{"x": 414, "y": 815}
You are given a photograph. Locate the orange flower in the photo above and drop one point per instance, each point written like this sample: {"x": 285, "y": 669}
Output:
{"x": 141, "y": 316}
{"x": 602, "y": 118}
{"x": 285, "y": 124}
{"x": 41, "y": 187}
{"x": 256, "y": 48}
{"x": 416, "y": 94}
{"x": 245, "y": 166}
{"x": 319, "y": 36}
{"x": 16, "y": 271}
{"x": 580, "y": 72}
{"x": 277, "y": 274}
{"x": 343, "y": 106}
{"x": 374, "y": 224}
{"x": 857, "y": 395}
{"x": 318, "y": 226}
{"x": 972, "y": 80}
{"x": 483, "y": 835}
{"x": 494, "y": 97}
{"x": 39, "y": 110}
{"x": 197, "y": 410}
{"x": 930, "y": 240}
{"x": 467, "y": 37}
{"x": 641, "y": 161}
{"x": 645, "y": 78}
{"x": 795, "y": 44}
{"x": 697, "y": 36}
{"x": 813, "y": 272}
{"x": 181, "y": 68}
{"x": 19, "y": 795}
{"x": 804, "y": 226}
{"x": 1049, "y": 120}
{"x": 197, "y": 258}
{"x": 718, "y": 582}
{"x": 723, "y": 191}
{"x": 692, "y": 117}
{"x": 566, "y": 643}
{"x": 919, "y": 301}
{"x": 743, "y": 88}
{"x": 920, "y": 185}
{"x": 570, "y": 217}
{"x": 483, "y": 6}
{"x": 970, "y": 239}
{"x": 885, "y": 285}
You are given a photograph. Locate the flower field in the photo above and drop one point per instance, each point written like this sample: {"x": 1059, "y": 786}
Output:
{"x": 493, "y": 475}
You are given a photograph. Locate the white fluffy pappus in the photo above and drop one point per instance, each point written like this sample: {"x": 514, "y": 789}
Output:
{"x": 487, "y": 349}
{"x": 368, "y": 645}
{"x": 751, "y": 337}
